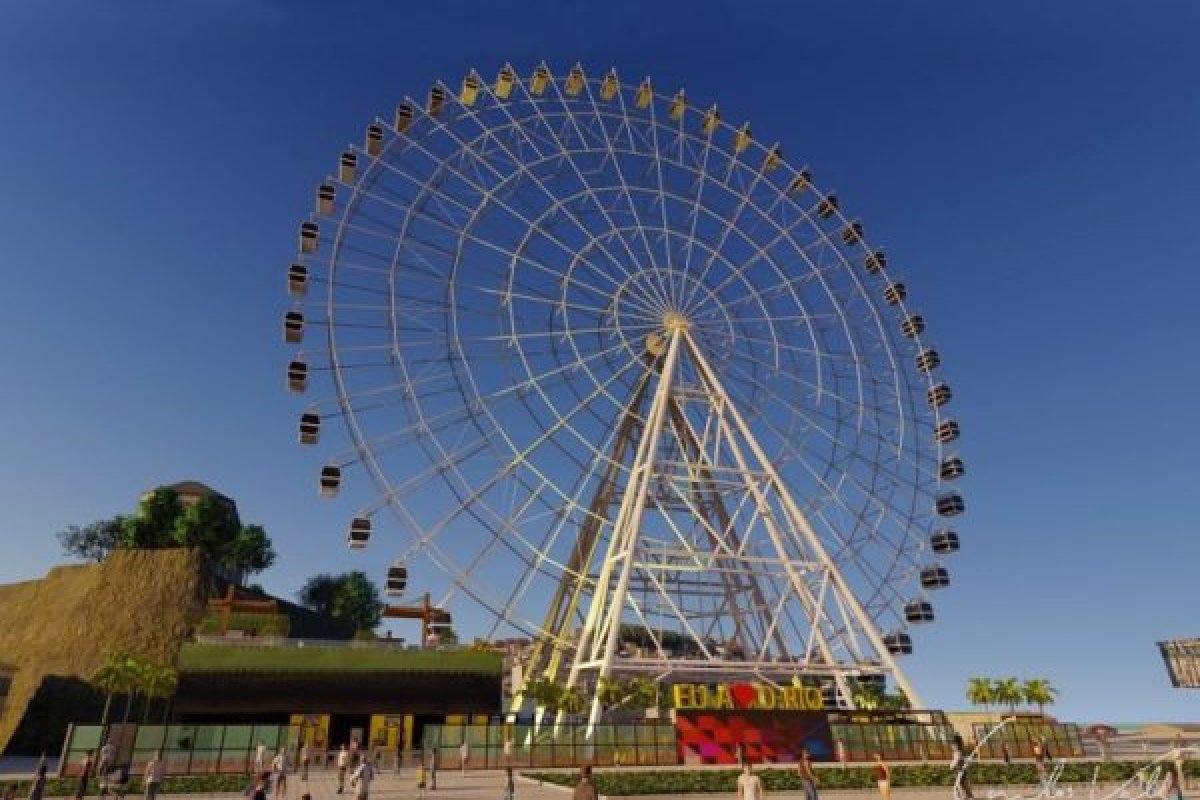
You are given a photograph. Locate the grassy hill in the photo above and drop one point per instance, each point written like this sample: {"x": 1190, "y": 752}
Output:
{"x": 221, "y": 658}
{"x": 58, "y": 630}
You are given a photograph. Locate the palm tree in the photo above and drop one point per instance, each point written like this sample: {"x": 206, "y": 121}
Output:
{"x": 1008, "y": 692}
{"x": 981, "y": 692}
{"x": 1039, "y": 692}
{"x": 108, "y": 679}
{"x": 610, "y": 692}
{"x": 160, "y": 682}
{"x": 641, "y": 693}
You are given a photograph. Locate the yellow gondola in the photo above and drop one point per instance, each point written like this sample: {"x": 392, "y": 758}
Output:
{"x": 678, "y": 105}
{"x": 645, "y": 94}
{"x": 505, "y": 82}
{"x": 827, "y": 207}
{"x": 852, "y": 233}
{"x": 608, "y": 89}
{"x": 773, "y": 160}
{"x": 574, "y": 84}
{"x": 470, "y": 90}
{"x": 742, "y": 139}
{"x": 712, "y": 118}
{"x": 539, "y": 82}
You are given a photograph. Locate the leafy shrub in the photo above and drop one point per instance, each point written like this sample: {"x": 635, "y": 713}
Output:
{"x": 784, "y": 778}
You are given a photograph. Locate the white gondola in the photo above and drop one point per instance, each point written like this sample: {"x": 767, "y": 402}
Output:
{"x": 898, "y": 643}
{"x": 297, "y": 280}
{"x": 373, "y": 142}
{"x": 293, "y": 327}
{"x": 938, "y": 395}
{"x": 437, "y": 101}
{"x": 404, "y": 117}
{"x": 347, "y": 166}
{"x": 397, "y": 579}
{"x": 913, "y": 326}
{"x": 326, "y": 195}
{"x": 359, "y": 533}
{"x": 944, "y": 541}
{"x": 935, "y": 577}
{"x": 330, "y": 480}
{"x": 309, "y": 236}
{"x": 950, "y": 505}
{"x": 310, "y": 428}
{"x": 828, "y": 206}
{"x": 875, "y": 262}
{"x": 297, "y": 376}
{"x": 917, "y": 612}
{"x": 928, "y": 361}
{"x": 852, "y": 234}
{"x": 946, "y": 431}
{"x": 952, "y": 468}
{"x": 894, "y": 293}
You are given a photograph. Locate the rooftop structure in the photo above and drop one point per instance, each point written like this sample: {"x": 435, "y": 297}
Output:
{"x": 1182, "y": 657}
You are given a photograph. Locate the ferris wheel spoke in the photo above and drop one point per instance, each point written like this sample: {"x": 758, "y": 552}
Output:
{"x": 557, "y": 202}
{"x": 624, "y": 186}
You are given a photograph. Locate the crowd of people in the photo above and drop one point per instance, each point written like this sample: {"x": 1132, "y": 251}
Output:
{"x": 357, "y": 771}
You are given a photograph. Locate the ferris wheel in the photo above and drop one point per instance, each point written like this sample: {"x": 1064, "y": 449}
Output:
{"x": 630, "y": 381}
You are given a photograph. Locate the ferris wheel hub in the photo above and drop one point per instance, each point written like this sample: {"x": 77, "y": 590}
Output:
{"x": 674, "y": 321}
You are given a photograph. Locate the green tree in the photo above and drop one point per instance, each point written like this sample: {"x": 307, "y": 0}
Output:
{"x": 981, "y": 692}
{"x": 153, "y": 525}
{"x": 1007, "y": 691}
{"x": 610, "y": 693}
{"x": 92, "y": 542}
{"x": 350, "y": 596}
{"x": 319, "y": 592}
{"x": 109, "y": 679}
{"x": 1039, "y": 692}
{"x": 252, "y": 550}
{"x": 544, "y": 693}
{"x": 571, "y": 701}
{"x": 640, "y": 693}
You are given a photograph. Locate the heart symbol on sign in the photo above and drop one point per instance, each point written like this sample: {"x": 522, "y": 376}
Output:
{"x": 743, "y": 694}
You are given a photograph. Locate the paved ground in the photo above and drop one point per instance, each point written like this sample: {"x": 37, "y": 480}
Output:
{"x": 489, "y": 785}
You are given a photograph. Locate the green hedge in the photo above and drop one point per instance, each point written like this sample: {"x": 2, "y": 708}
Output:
{"x": 183, "y": 784}
{"x": 257, "y": 624}
{"x": 700, "y": 781}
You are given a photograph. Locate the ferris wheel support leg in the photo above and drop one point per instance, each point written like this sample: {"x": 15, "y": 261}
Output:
{"x": 801, "y": 524}
{"x": 603, "y": 630}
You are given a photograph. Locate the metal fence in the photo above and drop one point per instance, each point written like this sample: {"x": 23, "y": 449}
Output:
{"x": 186, "y": 749}
{"x": 498, "y": 745}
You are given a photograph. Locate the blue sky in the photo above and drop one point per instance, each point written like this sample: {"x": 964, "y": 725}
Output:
{"x": 1034, "y": 167}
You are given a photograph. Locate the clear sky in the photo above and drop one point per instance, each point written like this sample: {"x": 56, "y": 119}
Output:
{"x": 1034, "y": 166}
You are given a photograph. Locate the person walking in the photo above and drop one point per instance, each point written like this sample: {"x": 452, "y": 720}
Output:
{"x": 1039, "y": 761}
{"x": 510, "y": 786}
{"x": 749, "y": 785}
{"x": 260, "y": 758}
{"x": 343, "y": 761}
{"x": 361, "y": 779}
{"x": 958, "y": 766}
{"x": 808, "y": 776}
{"x": 421, "y": 778}
{"x": 304, "y": 762}
{"x": 87, "y": 766}
{"x": 279, "y": 768}
{"x": 259, "y": 792}
{"x": 883, "y": 777}
{"x": 37, "y": 789}
{"x": 104, "y": 762}
{"x": 585, "y": 789}
{"x": 464, "y": 753}
{"x": 433, "y": 768}
{"x": 153, "y": 776}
